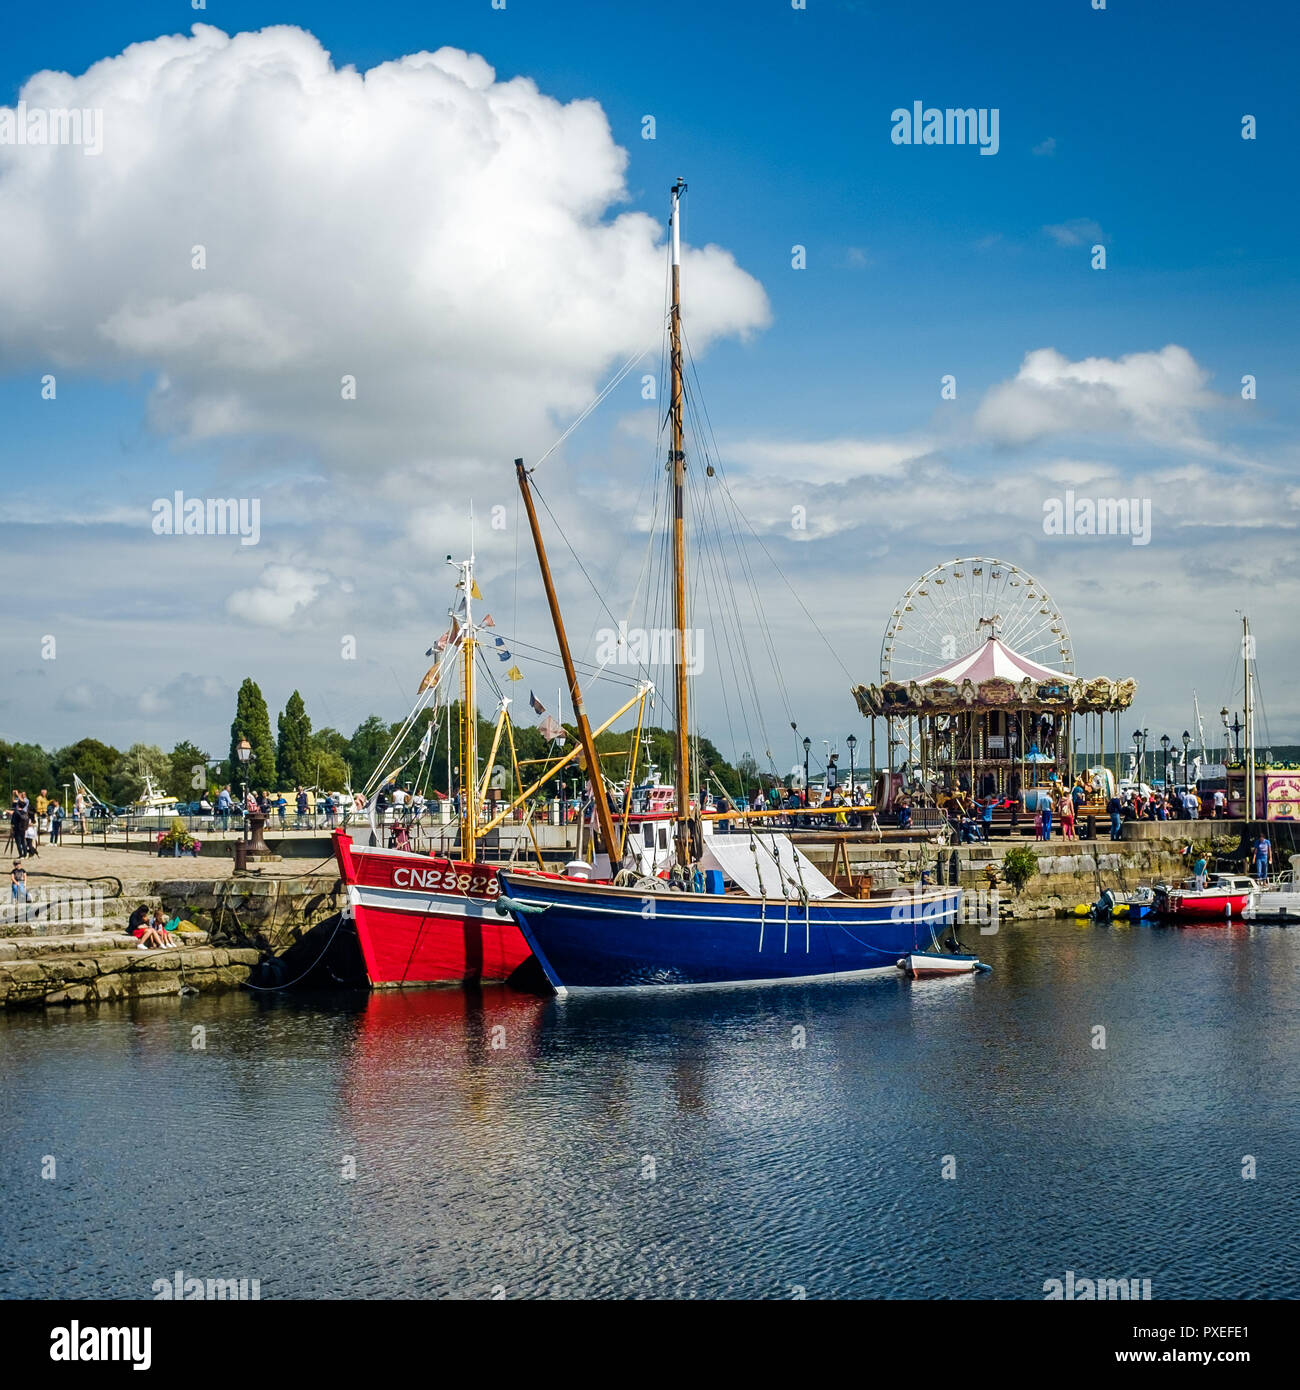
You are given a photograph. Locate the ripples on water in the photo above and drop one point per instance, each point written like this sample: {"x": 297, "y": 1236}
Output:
{"x": 681, "y": 1145}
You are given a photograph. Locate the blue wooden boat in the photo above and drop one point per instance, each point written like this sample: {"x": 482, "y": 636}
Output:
{"x": 595, "y": 936}
{"x": 779, "y": 921}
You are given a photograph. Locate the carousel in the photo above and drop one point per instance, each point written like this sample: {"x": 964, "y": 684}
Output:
{"x": 996, "y": 718}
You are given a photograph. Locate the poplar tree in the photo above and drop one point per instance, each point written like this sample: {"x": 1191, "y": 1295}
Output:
{"x": 253, "y": 723}
{"x": 294, "y": 754}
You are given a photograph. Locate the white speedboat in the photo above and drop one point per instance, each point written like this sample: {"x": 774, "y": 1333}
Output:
{"x": 1275, "y": 900}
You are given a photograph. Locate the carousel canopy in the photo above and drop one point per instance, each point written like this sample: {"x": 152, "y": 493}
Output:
{"x": 994, "y": 658}
{"x": 994, "y": 676}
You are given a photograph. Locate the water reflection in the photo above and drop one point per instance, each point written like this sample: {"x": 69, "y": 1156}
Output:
{"x": 700, "y": 1143}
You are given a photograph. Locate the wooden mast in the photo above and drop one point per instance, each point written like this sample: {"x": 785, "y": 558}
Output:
{"x": 603, "y": 819}
{"x": 677, "y": 460}
{"x": 1251, "y": 807}
{"x": 469, "y": 726}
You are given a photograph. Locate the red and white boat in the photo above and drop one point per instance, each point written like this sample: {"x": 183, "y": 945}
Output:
{"x": 1220, "y": 900}
{"x": 426, "y": 920}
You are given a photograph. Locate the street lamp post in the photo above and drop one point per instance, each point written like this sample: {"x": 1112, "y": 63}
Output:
{"x": 807, "y": 746}
{"x": 1187, "y": 738}
{"x": 1164, "y": 743}
{"x": 1137, "y": 755}
{"x": 852, "y": 741}
{"x": 255, "y": 821}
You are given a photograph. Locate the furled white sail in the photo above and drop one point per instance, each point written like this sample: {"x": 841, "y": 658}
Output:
{"x": 766, "y": 866}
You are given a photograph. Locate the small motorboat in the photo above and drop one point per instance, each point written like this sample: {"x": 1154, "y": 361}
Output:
{"x": 919, "y": 965}
{"x": 1133, "y": 905}
{"x": 1277, "y": 900}
{"x": 1224, "y": 897}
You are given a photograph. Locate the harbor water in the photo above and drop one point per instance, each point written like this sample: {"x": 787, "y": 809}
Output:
{"x": 1119, "y": 1102}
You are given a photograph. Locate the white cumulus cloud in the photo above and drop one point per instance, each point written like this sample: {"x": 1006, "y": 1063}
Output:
{"x": 280, "y": 595}
{"x": 447, "y": 239}
{"x": 1153, "y": 395}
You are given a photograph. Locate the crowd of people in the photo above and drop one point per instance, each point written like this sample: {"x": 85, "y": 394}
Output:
{"x": 1056, "y": 808}
{"x": 30, "y": 818}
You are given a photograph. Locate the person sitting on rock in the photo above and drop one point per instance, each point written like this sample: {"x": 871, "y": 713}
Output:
{"x": 139, "y": 927}
{"x": 18, "y": 883}
{"x": 159, "y": 924}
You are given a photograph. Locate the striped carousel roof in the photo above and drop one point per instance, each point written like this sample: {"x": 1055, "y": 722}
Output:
{"x": 993, "y": 658}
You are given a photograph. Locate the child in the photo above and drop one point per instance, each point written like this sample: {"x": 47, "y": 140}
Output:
{"x": 18, "y": 883}
{"x": 138, "y": 926}
{"x": 159, "y": 925}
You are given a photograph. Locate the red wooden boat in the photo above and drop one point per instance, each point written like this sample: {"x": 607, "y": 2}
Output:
{"x": 426, "y": 920}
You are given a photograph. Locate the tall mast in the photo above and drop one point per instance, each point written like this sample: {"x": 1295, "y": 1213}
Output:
{"x": 677, "y": 458}
{"x": 1250, "y": 719}
{"x": 469, "y": 724}
{"x": 469, "y": 739}
{"x": 603, "y": 819}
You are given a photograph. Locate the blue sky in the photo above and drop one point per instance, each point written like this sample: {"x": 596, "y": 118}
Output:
{"x": 1121, "y": 125}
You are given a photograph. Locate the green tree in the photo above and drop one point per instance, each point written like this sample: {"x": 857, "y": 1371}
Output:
{"x": 253, "y": 723}
{"x": 29, "y": 766}
{"x": 366, "y": 747}
{"x": 92, "y": 761}
{"x": 187, "y": 762}
{"x": 127, "y": 780}
{"x": 293, "y": 754}
{"x": 327, "y": 740}
{"x": 329, "y": 772}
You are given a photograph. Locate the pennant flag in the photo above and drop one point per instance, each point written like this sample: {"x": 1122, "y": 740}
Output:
{"x": 430, "y": 678}
{"x": 502, "y": 653}
{"x": 441, "y": 644}
{"x": 537, "y": 705}
{"x": 427, "y": 739}
{"x": 550, "y": 730}
{"x": 514, "y": 674}
{"x": 489, "y": 621}
{"x": 474, "y": 589}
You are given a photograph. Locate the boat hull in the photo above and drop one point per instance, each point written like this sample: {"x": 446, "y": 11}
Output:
{"x": 588, "y": 936}
{"x": 1202, "y": 906}
{"x": 1274, "y": 907}
{"x": 924, "y": 965}
{"x": 422, "y": 920}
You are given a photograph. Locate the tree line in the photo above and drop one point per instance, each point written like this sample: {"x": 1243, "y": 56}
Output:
{"x": 297, "y": 755}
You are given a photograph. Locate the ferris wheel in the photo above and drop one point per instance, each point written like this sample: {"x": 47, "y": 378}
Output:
{"x": 951, "y": 609}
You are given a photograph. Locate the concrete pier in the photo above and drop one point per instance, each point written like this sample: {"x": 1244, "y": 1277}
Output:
{"x": 42, "y": 971}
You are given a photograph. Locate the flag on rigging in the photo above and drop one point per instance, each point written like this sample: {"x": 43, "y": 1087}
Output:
{"x": 538, "y": 707}
{"x": 514, "y": 674}
{"x": 551, "y": 730}
{"x": 474, "y": 588}
{"x": 427, "y": 740}
{"x": 502, "y": 653}
{"x": 488, "y": 621}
